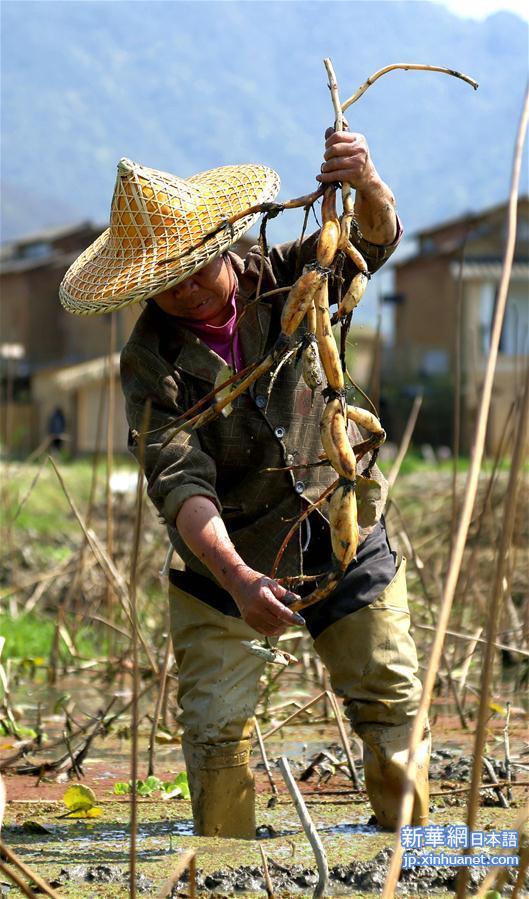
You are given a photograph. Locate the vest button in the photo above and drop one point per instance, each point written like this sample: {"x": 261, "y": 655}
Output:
{"x": 299, "y": 486}
{"x": 279, "y": 432}
{"x": 260, "y": 401}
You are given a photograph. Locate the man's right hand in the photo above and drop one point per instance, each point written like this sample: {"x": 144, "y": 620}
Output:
{"x": 258, "y": 599}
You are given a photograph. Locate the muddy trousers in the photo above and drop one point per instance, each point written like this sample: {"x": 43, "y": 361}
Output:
{"x": 372, "y": 663}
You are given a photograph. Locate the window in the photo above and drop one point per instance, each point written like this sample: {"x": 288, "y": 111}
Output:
{"x": 514, "y": 340}
{"x": 515, "y": 334}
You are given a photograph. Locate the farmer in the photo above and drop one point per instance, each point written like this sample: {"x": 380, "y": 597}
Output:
{"x": 229, "y": 492}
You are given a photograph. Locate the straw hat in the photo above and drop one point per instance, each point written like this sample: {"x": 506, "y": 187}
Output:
{"x": 162, "y": 229}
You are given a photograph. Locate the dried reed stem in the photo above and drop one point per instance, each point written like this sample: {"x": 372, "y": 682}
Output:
{"x": 135, "y": 670}
{"x": 13, "y": 859}
{"x": 507, "y": 751}
{"x": 470, "y": 639}
{"x": 464, "y": 522}
{"x": 465, "y": 668}
{"x": 494, "y": 780}
{"x": 522, "y": 871}
{"x": 15, "y": 878}
{"x": 186, "y": 860}
{"x": 494, "y": 609}
{"x": 497, "y": 876}
{"x": 345, "y": 741}
{"x": 456, "y": 417}
{"x": 110, "y": 457}
{"x": 405, "y": 442}
{"x": 294, "y": 715}
{"x": 264, "y": 756}
{"x": 107, "y": 565}
{"x": 77, "y": 579}
{"x": 310, "y": 831}
{"x": 269, "y": 887}
{"x": 159, "y": 701}
{"x": 29, "y": 491}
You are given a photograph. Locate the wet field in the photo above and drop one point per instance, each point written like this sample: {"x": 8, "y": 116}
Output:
{"x": 90, "y": 857}
{"x": 66, "y": 714}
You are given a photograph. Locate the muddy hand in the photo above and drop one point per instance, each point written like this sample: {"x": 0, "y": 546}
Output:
{"x": 260, "y": 600}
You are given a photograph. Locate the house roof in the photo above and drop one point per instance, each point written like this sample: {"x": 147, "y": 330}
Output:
{"x": 490, "y": 270}
{"x": 41, "y": 248}
{"x": 46, "y": 235}
{"x": 468, "y": 217}
{"x": 71, "y": 377}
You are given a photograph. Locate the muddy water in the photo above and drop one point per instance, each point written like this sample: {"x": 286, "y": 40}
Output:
{"x": 91, "y": 858}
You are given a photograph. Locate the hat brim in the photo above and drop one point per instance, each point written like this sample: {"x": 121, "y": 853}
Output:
{"x": 99, "y": 281}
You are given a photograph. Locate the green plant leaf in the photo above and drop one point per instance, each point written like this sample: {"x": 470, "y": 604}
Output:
{"x": 178, "y": 787}
{"x": 148, "y": 786}
{"x": 121, "y": 789}
{"x": 93, "y": 812}
{"x": 79, "y": 798}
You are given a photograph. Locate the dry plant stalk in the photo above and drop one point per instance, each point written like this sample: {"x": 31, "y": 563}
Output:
{"x": 464, "y": 521}
{"x": 107, "y": 565}
{"x": 269, "y": 887}
{"x": 186, "y": 860}
{"x": 345, "y": 741}
{"x": 135, "y": 670}
{"x": 496, "y": 878}
{"x": 295, "y": 714}
{"x": 264, "y": 756}
{"x": 159, "y": 702}
{"x": 310, "y": 831}
{"x": 13, "y": 859}
{"x": 496, "y": 603}
{"x": 111, "y": 393}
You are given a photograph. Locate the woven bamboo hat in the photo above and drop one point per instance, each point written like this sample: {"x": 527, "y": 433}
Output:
{"x": 162, "y": 229}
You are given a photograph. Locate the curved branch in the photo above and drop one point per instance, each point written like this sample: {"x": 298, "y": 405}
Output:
{"x": 407, "y": 66}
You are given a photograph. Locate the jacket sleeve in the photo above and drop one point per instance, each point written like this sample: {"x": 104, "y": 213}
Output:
{"x": 287, "y": 260}
{"x": 181, "y": 469}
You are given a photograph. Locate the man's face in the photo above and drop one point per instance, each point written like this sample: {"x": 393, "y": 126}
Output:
{"x": 203, "y": 297}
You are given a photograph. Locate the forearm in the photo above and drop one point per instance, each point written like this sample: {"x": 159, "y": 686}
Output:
{"x": 203, "y": 530}
{"x": 375, "y": 212}
{"x": 257, "y": 597}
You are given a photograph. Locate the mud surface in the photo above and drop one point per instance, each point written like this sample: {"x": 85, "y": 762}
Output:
{"x": 357, "y": 877}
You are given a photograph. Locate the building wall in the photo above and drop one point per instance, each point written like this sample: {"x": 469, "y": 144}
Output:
{"x": 425, "y": 322}
{"x": 426, "y": 319}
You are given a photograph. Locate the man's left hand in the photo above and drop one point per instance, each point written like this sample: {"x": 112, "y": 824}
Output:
{"x": 347, "y": 158}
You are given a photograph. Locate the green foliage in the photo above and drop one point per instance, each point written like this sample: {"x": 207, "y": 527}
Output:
{"x": 29, "y": 637}
{"x": 179, "y": 787}
{"x": 44, "y": 510}
{"x": 121, "y": 788}
{"x": 8, "y": 729}
{"x": 81, "y": 802}
{"x": 170, "y": 789}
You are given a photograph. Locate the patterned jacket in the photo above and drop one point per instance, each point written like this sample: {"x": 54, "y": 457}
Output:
{"x": 225, "y": 460}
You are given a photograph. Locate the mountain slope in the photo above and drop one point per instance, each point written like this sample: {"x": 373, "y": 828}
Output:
{"x": 187, "y": 86}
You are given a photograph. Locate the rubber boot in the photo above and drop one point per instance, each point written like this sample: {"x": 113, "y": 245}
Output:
{"x": 222, "y": 789}
{"x": 385, "y": 759}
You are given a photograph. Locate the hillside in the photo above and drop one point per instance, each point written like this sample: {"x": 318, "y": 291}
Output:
{"x": 186, "y": 86}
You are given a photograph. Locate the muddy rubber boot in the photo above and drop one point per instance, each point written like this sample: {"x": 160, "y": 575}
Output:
{"x": 384, "y": 769}
{"x": 222, "y": 789}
